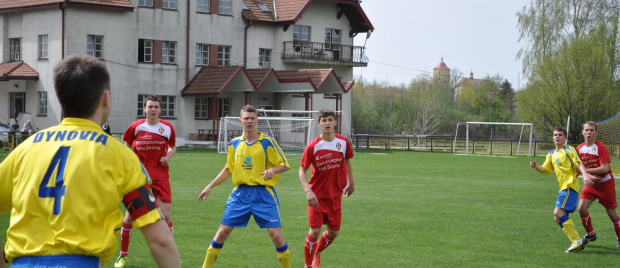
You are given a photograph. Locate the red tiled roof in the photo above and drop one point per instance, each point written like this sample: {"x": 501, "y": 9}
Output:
{"x": 289, "y": 11}
{"x": 256, "y": 14}
{"x": 441, "y": 66}
{"x": 258, "y": 76}
{"x": 317, "y": 77}
{"x": 11, "y": 5}
{"x": 212, "y": 80}
{"x": 17, "y": 70}
{"x": 215, "y": 80}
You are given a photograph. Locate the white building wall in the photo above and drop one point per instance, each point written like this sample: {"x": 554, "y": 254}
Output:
{"x": 121, "y": 31}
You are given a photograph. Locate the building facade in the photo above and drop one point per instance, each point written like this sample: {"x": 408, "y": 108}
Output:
{"x": 204, "y": 58}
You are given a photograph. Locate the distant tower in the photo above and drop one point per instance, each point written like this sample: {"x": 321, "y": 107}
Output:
{"x": 441, "y": 72}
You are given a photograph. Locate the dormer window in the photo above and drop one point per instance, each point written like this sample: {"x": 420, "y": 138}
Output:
{"x": 246, "y": 8}
{"x": 262, "y": 7}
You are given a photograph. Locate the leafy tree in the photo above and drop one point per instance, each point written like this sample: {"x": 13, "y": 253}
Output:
{"x": 572, "y": 81}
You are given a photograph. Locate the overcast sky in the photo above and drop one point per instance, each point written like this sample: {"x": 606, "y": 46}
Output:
{"x": 411, "y": 36}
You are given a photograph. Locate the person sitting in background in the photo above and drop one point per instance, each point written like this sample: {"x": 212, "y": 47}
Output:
{"x": 27, "y": 128}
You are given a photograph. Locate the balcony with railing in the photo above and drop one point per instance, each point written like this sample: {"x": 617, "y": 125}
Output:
{"x": 324, "y": 53}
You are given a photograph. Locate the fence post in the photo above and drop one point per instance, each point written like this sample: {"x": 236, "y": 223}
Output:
{"x": 367, "y": 142}
{"x": 491, "y": 149}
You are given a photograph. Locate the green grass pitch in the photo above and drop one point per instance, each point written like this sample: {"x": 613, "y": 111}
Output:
{"x": 410, "y": 209}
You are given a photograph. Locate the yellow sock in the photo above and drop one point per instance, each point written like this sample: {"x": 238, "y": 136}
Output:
{"x": 285, "y": 258}
{"x": 212, "y": 254}
{"x": 569, "y": 230}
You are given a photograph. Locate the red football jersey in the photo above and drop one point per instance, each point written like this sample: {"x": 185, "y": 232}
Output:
{"x": 150, "y": 143}
{"x": 329, "y": 173}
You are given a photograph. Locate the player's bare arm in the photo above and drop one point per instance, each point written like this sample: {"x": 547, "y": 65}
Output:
{"x": 348, "y": 191}
{"x": 537, "y": 167}
{"x": 224, "y": 174}
{"x": 587, "y": 177}
{"x": 161, "y": 244}
{"x": 602, "y": 170}
{"x": 310, "y": 196}
{"x": 164, "y": 160}
{"x": 268, "y": 174}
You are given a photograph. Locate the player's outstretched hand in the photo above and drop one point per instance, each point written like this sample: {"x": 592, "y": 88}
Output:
{"x": 532, "y": 163}
{"x": 203, "y": 195}
{"x": 312, "y": 200}
{"x": 267, "y": 174}
{"x": 348, "y": 191}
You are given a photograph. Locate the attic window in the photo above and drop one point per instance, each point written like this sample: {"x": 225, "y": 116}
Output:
{"x": 262, "y": 7}
{"x": 246, "y": 7}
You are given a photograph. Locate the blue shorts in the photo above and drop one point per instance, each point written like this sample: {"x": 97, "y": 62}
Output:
{"x": 258, "y": 201}
{"x": 567, "y": 200}
{"x": 56, "y": 261}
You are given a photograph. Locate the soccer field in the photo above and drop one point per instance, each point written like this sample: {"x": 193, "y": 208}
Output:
{"x": 410, "y": 209}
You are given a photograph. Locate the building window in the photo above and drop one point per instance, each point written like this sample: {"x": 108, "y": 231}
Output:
{"x": 203, "y": 6}
{"x": 201, "y": 108}
{"x": 170, "y": 4}
{"x": 301, "y": 35}
{"x": 263, "y": 7}
{"x": 42, "y": 103}
{"x": 141, "y": 100}
{"x": 168, "y": 51}
{"x": 145, "y": 3}
{"x": 145, "y": 50}
{"x": 15, "y": 50}
{"x": 202, "y": 54}
{"x": 223, "y": 56}
{"x": 332, "y": 39}
{"x": 331, "y": 96}
{"x": 43, "y": 46}
{"x": 264, "y": 58}
{"x": 224, "y": 107}
{"x": 225, "y": 7}
{"x": 167, "y": 106}
{"x": 94, "y": 46}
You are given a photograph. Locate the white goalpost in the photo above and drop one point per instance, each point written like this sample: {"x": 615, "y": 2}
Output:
{"x": 292, "y": 129}
{"x": 500, "y": 139}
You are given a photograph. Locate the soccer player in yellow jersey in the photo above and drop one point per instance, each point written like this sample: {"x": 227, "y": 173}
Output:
{"x": 254, "y": 161}
{"x": 63, "y": 184}
{"x": 563, "y": 161}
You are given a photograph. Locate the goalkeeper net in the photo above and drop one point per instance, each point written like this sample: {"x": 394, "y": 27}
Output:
{"x": 292, "y": 129}
{"x": 609, "y": 134}
{"x": 493, "y": 139}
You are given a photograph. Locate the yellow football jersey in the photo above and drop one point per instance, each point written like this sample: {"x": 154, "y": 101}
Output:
{"x": 64, "y": 185}
{"x": 247, "y": 161}
{"x": 564, "y": 162}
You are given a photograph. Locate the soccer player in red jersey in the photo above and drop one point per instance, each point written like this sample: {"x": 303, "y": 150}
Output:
{"x": 154, "y": 141}
{"x": 595, "y": 157}
{"x": 332, "y": 177}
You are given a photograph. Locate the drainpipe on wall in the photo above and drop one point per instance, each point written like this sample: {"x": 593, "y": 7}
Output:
{"x": 245, "y": 45}
{"x": 61, "y": 6}
{"x": 187, "y": 38}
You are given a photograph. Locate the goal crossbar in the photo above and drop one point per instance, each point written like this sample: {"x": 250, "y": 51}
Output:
{"x": 467, "y": 140}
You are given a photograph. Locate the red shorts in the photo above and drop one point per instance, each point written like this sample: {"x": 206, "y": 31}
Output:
{"x": 605, "y": 192}
{"x": 329, "y": 212}
{"x": 161, "y": 190}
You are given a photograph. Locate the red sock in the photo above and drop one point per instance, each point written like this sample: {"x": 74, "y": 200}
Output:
{"x": 125, "y": 237}
{"x": 309, "y": 249}
{"x": 324, "y": 242}
{"x": 170, "y": 227}
{"x": 616, "y": 223}
{"x": 586, "y": 221}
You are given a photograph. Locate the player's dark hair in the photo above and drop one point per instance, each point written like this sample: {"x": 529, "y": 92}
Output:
{"x": 79, "y": 81}
{"x": 151, "y": 98}
{"x": 560, "y": 129}
{"x": 326, "y": 113}
{"x": 591, "y": 123}
{"x": 249, "y": 108}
